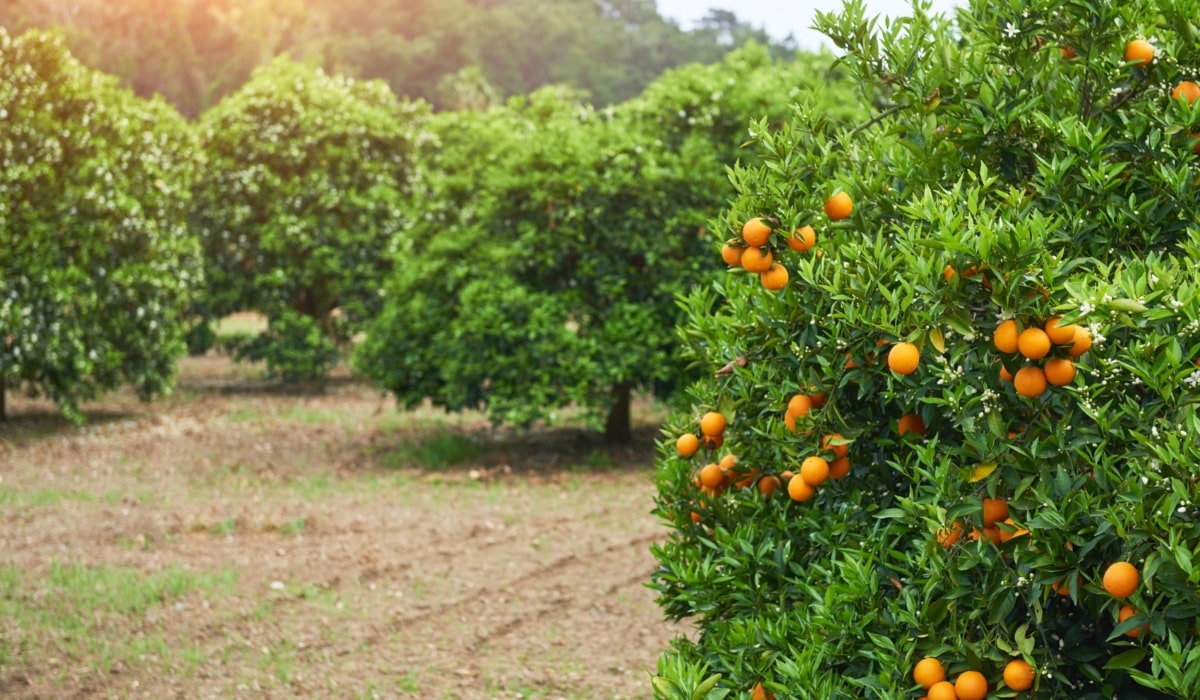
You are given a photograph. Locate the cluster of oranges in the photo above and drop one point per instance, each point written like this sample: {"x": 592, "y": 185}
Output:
{"x": 753, "y": 253}
{"x": 1035, "y": 344}
{"x": 1120, "y": 581}
{"x": 930, "y": 674}
{"x": 997, "y": 526}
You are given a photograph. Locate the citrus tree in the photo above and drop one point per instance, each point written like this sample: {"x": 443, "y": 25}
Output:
{"x": 950, "y": 450}
{"x": 300, "y": 205}
{"x": 96, "y": 262}
{"x": 552, "y": 239}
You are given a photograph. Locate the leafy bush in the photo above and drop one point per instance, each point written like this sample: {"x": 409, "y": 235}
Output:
{"x": 1017, "y": 168}
{"x": 553, "y": 240}
{"x": 96, "y": 262}
{"x": 300, "y": 205}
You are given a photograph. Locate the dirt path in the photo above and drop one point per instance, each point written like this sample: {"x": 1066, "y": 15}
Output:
{"x": 235, "y": 543}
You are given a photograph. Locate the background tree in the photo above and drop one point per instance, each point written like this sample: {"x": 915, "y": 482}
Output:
{"x": 96, "y": 261}
{"x": 300, "y": 205}
{"x": 965, "y": 427}
{"x": 553, "y": 241}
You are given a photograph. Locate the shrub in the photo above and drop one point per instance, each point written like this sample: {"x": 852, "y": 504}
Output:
{"x": 1019, "y": 169}
{"x": 300, "y": 204}
{"x": 96, "y": 262}
{"x": 555, "y": 241}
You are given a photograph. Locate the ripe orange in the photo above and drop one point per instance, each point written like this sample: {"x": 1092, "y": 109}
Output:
{"x": 910, "y": 423}
{"x": 1187, "y": 90}
{"x": 839, "y": 468}
{"x": 799, "y": 405}
{"x": 756, "y": 232}
{"x": 838, "y": 451}
{"x": 799, "y": 490}
{"x": 712, "y": 424}
{"x": 1018, "y": 675}
{"x": 728, "y": 462}
{"x": 755, "y": 260}
{"x": 768, "y": 485}
{"x": 803, "y": 239}
{"x": 1005, "y": 337}
{"x": 1068, "y": 52}
{"x": 761, "y": 693}
{"x": 942, "y": 690}
{"x": 712, "y": 476}
{"x": 1030, "y": 382}
{"x": 1127, "y": 611}
{"x": 1033, "y": 343}
{"x": 775, "y": 278}
{"x": 1082, "y": 342}
{"x": 1121, "y": 579}
{"x": 1012, "y": 531}
{"x": 928, "y": 671}
{"x": 732, "y": 255}
{"x": 713, "y": 442}
{"x": 818, "y": 399}
{"x": 839, "y": 206}
{"x": 971, "y": 685}
{"x": 814, "y": 470}
{"x": 949, "y": 536}
{"x": 904, "y": 358}
{"x": 1139, "y": 51}
{"x": 1060, "y": 335}
{"x": 994, "y": 510}
{"x": 1060, "y": 371}
{"x": 1005, "y": 374}
{"x": 687, "y": 445}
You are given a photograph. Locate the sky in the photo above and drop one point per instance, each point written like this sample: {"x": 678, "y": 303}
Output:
{"x": 780, "y": 17}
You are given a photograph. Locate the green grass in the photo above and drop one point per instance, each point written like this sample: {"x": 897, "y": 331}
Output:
{"x": 41, "y": 497}
{"x": 435, "y": 452}
{"x": 76, "y": 610}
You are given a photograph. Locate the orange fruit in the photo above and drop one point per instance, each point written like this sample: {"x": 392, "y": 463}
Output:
{"x": 732, "y": 255}
{"x": 1139, "y": 51}
{"x": 814, "y": 470}
{"x": 712, "y": 424}
{"x": 1033, "y": 343}
{"x": 799, "y": 405}
{"x": 1012, "y": 531}
{"x": 756, "y": 232}
{"x": 1196, "y": 138}
{"x": 910, "y": 423}
{"x": 991, "y": 532}
{"x": 1127, "y": 611}
{"x": 761, "y": 693}
{"x": 1121, "y": 579}
{"x": 1060, "y": 371}
{"x": 942, "y": 690}
{"x": 839, "y": 206}
{"x": 775, "y": 278}
{"x": 787, "y": 475}
{"x": 1005, "y": 337}
{"x": 695, "y": 517}
{"x": 713, "y": 442}
{"x": 1005, "y": 374}
{"x": 755, "y": 260}
{"x": 838, "y": 451}
{"x": 1018, "y": 675}
{"x": 971, "y": 685}
{"x": 948, "y": 536}
{"x": 1082, "y": 342}
{"x": 687, "y": 445}
{"x": 1030, "y": 382}
{"x": 803, "y": 239}
{"x": 903, "y": 358}
{"x": 768, "y": 485}
{"x": 839, "y": 468}
{"x": 818, "y": 399}
{"x": 1060, "y": 335}
{"x": 728, "y": 462}
{"x": 712, "y": 476}
{"x": 928, "y": 671}
{"x": 1068, "y": 52}
{"x": 799, "y": 490}
{"x": 994, "y": 510}
{"x": 1187, "y": 90}
{"x": 747, "y": 480}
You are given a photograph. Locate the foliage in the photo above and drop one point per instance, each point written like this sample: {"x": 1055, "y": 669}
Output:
{"x": 195, "y": 52}
{"x": 1016, "y": 167}
{"x": 553, "y": 240}
{"x": 96, "y": 263}
{"x": 299, "y": 207}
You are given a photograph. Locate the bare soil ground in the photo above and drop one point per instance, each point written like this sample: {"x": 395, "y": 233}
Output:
{"x": 242, "y": 539}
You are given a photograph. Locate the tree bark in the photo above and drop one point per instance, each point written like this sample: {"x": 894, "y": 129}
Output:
{"x": 619, "y": 426}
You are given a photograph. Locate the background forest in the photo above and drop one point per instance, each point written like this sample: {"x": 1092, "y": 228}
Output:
{"x": 451, "y": 53}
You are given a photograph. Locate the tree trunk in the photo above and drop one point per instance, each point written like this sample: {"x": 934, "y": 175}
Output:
{"x": 619, "y": 428}
{"x": 3, "y": 412}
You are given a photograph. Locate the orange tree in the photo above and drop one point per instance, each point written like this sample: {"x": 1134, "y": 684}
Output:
{"x": 96, "y": 262}
{"x": 300, "y": 207}
{"x": 959, "y": 447}
{"x": 551, "y": 241}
